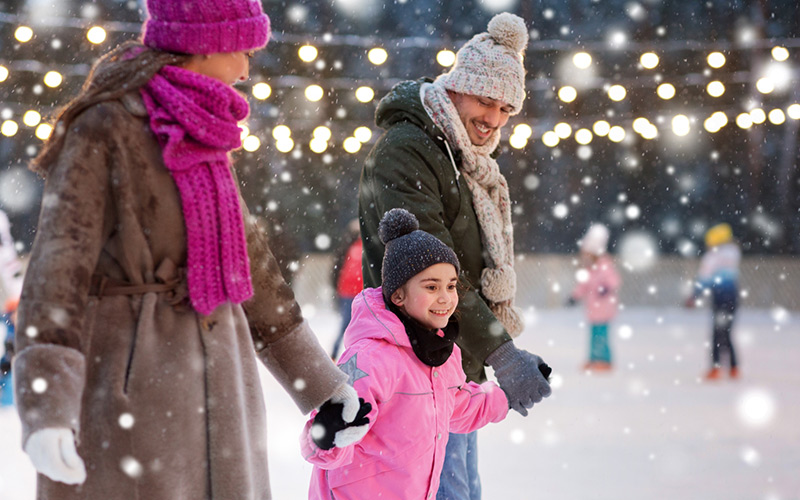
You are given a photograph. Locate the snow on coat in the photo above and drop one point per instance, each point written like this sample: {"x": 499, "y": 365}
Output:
{"x": 164, "y": 403}
{"x": 414, "y": 407}
{"x": 599, "y": 291}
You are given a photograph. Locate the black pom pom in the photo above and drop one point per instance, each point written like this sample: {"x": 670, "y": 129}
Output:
{"x": 395, "y": 223}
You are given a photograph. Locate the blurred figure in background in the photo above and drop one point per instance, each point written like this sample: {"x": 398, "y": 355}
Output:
{"x": 11, "y": 274}
{"x": 718, "y": 276}
{"x": 7, "y": 319}
{"x": 346, "y": 277}
{"x": 598, "y": 283}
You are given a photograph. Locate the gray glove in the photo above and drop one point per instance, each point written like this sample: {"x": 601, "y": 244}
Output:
{"x": 519, "y": 375}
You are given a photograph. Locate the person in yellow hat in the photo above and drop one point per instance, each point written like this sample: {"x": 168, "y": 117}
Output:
{"x": 718, "y": 276}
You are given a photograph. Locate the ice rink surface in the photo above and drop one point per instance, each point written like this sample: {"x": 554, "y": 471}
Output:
{"x": 650, "y": 429}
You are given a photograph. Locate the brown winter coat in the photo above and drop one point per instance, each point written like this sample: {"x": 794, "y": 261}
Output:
{"x": 111, "y": 209}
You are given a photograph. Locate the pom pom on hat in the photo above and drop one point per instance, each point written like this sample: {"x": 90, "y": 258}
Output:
{"x": 490, "y": 64}
{"x": 395, "y": 223}
{"x": 509, "y": 30}
{"x": 408, "y": 250}
{"x": 595, "y": 241}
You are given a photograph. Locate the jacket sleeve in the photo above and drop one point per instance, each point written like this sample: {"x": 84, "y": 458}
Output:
{"x": 477, "y": 405}
{"x": 283, "y": 339}
{"x": 404, "y": 174}
{"x": 72, "y": 229}
{"x": 373, "y": 388}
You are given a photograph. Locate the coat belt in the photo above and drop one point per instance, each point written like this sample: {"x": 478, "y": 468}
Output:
{"x": 105, "y": 286}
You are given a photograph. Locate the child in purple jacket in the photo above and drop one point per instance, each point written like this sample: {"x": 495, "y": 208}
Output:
{"x": 402, "y": 360}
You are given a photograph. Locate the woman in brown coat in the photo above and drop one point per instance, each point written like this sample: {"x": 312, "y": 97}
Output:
{"x": 149, "y": 287}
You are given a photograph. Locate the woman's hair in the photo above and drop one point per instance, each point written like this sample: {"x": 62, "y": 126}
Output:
{"x": 124, "y": 69}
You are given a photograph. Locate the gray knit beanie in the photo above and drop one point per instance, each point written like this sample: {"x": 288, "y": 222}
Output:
{"x": 409, "y": 251}
{"x": 490, "y": 65}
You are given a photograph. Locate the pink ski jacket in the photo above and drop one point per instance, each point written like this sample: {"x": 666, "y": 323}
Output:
{"x": 599, "y": 292}
{"x": 414, "y": 407}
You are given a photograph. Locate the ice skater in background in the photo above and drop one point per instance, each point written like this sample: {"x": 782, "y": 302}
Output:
{"x": 598, "y": 284}
{"x": 402, "y": 359}
{"x": 347, "y": 278}
{"x": 718, "y": 276}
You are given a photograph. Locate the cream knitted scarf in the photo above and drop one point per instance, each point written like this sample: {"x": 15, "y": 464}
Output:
{"x": 491, "y": 202}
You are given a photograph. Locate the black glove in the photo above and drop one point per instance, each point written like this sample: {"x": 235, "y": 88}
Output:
{"x": 329, "y": 422}
{"x": 570, "y": 302}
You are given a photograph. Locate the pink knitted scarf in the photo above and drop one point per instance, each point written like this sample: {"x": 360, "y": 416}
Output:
{"x": 195, "y": 119}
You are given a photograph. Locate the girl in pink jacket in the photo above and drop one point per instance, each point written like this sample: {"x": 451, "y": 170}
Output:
{"x": 598, "y": 283}
{"x": 403, "y": 362}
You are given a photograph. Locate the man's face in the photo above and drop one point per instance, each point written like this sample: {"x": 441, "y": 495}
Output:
{"x": 481, "y": 116}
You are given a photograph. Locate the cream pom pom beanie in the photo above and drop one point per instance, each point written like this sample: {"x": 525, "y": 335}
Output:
{"x": 490, "y": 64}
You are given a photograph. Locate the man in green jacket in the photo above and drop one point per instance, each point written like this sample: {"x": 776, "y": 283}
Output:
{"x": 435, "y": 159}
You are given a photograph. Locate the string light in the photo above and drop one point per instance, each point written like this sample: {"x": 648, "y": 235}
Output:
{"x": 744, "y": 121}
{"x": 562, "y": 130}
{"x": 96, "y": 35}
{"x": 351, "y": 145}
{"x": 251, "y": 143}
{"x": 780, "y": 53}
{"x": 363, "y": 134}
{"x": 307, "y": 53}
{"x": 582, "y": 60}
{"x": 523, "y": 130}
{"x": 616, "y": 134}
{"x": 583, "y": 136}
{"x": 567, "y": 93}
{"x": 53, "y": 79}
{"x": 262, "y": 91}
{"x": 43, "y": 131}
{"x": 776, "y": 116}
{"x": 681, "y": 125}
{"x": 617, "y": 92}
{"x": 3, "y": 73}
{"x": 9, "y": 128}
{"x": 446, "y": 58}
{"x": 793, "y": 111}
{"x": 649, "y": 60}
{"x": 758, "y": 116}
{"x": 550, "y": 139}
{"x": 314, "y": 93}
{"x": 666, "y": 91}
{"x": 322, "y": 133}
{"x": 765, "y": 85}
{"x": 377, "y": 56}
{"x": 31, "y": 118}
{"x": 601, "y": 128}
{"x": 318, "y": 145}
{"x": 716, "y": 60}
{"x": 715, "y": 88}
{"x": 281, "y": 132}
{"x": 365, "y": 94}
{"x": 23, "y": 34}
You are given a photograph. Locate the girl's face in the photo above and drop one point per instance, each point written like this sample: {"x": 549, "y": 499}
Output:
{"x": 430, "y": 297}
{"x": 227, "y": 67}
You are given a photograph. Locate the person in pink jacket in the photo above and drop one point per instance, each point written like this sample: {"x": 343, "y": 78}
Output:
{"x": 402, "y": 359}
{"x": 598, "y": 284}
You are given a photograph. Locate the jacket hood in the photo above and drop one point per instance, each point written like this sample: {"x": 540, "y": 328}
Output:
{"x": 372, "y": 320}
{"x": 403, "y": 104}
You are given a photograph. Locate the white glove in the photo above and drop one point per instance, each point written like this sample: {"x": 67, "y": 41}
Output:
{"x": 53, "y": 454}
{"x": 346, "y": 395}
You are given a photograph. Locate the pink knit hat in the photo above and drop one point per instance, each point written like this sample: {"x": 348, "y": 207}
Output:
{"x": 205, "y": 27}
{"x": 490, "y": 65}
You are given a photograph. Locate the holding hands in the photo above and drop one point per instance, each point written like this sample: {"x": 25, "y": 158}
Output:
{"x": 523, "y": 376}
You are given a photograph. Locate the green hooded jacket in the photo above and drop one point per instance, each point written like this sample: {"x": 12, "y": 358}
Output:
{"x": 410, "y": 167}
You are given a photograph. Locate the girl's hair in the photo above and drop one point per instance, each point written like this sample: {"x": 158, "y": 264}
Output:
{"x": 124, "y": 69}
